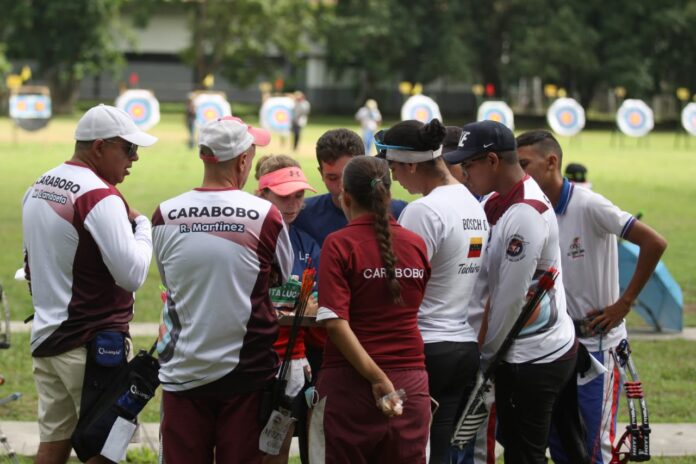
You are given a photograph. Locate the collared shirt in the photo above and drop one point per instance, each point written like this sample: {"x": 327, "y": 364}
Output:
{"x": 523, "y": 244}
{"x": 217, "y": 251}
{"x": 589, "y": 225}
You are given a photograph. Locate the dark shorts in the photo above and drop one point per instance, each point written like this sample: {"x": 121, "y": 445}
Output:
{"x": 347, "y": 427}
{"x": 210, "y": 429}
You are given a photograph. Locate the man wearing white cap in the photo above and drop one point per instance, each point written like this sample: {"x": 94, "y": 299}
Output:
{"x": 218, "y": 250}
{"x": 86, "y": 252}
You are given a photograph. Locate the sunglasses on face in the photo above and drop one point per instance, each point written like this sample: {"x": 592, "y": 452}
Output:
{"x": 130, "y": 149}
{"x": 466, "y": 164}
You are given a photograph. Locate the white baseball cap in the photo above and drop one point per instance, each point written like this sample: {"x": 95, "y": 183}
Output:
{"x": 229, "y": 137}
{"x": 105, "y": 122}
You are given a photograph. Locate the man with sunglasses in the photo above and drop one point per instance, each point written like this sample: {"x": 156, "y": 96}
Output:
{"x": 85, "y": 252}
{"x": 523, "y": 243}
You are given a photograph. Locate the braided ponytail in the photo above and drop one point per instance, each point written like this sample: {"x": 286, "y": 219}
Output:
{"x": 367, "y": 181}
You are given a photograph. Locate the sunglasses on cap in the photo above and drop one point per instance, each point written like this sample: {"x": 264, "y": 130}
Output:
{"x": 129, "y": 148}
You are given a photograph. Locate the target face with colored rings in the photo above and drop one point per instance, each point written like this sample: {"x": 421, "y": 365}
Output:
{"x": 210, "y": 107}
{"x": 421, "y": 108}
{"x": 566, "y": 117}
{"x": 634, "y": 118}
{"x": 141, "y": 105}
{"x": 30, "y": 106}
{"x": 498, "y": 111}
{"x": 276, "y": 114}
{"x": 688, "y": 118}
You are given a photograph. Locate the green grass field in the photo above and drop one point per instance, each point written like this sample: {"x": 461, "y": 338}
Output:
{"x": 652, "y": 177}
{"x": 667, "y": 370}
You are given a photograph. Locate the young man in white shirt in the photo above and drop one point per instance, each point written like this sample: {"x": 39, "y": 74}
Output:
{"x": 523, "y": 244}
{"x": 589, "y": 225}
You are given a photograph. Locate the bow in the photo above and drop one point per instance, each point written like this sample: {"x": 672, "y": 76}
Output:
{"x": 634, "y": 444}
{"x": 476, "y": 411}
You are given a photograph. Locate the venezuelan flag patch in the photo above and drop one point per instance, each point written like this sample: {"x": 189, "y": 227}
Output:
{"x": 475, "y": 246}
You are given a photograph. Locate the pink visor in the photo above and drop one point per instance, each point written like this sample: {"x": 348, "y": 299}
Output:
{"x": 285, "y": 181}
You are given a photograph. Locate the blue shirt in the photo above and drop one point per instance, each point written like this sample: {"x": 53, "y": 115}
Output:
{"x": 320, "y": 216}
{"x": 303, "y": 247}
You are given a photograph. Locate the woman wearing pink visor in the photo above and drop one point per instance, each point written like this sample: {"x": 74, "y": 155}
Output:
{"x": 282, "y": 182}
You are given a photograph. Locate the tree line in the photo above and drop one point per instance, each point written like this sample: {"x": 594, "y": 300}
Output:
{"x": 583, "y": 46}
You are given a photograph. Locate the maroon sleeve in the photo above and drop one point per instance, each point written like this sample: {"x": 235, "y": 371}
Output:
{"x": 334, "y": 287}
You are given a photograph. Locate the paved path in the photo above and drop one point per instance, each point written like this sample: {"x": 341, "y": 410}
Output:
{"x": 665, "y": 439}
{"x": 147, "y": 329}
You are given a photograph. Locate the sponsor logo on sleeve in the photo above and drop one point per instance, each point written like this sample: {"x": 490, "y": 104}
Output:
{"x": 475, "y": 246}
{"x": 515, "y": 248}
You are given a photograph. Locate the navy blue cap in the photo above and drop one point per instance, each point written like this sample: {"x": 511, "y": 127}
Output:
{"x": 479, "y": 137}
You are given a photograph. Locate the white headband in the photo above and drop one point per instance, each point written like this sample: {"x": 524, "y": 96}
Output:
{"x": 408, "y": 156}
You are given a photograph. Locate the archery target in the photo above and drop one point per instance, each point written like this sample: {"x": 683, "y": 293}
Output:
{"x": 276, "y": 114}
{"x": 634, "y": 118}
{"x": 566, "y": 117}
{"x": 498, "y": 111}
{"x": 420, "y": 108}
{"x": 209, "y": 107}
{"x": 30, "y": 106}
{"x": 688, "y": 118}
{"x": 141, "y": 106}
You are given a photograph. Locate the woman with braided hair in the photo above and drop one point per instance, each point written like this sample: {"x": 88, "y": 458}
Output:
{"x": 372, "y": 278}
{"x": 454, "y": 227}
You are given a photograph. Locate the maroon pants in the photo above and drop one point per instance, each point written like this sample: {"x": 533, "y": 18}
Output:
{"x": 204, "y": 430}
{"x": 347, "y": 427}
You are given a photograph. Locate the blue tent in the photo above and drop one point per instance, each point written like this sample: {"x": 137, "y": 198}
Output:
{"x": 661, "y": 302}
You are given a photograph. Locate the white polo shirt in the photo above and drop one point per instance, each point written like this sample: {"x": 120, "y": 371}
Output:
{"x": 523, "y": 244}
{"x": 589, "y": 225}
{"x": 455, "y": 229}
{"x": 216, "y": 251}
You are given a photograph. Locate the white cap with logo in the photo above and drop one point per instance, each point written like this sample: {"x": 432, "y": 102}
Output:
{"x": 229, "y": 137}
{"x": 105, "y": 122}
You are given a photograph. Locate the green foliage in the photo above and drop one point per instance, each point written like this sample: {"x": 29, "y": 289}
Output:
{"x": 236, "y": 38}
{"x": 69, "y": 40}
{"x": 387, "y": 40}
{"x": 141, "y": 455}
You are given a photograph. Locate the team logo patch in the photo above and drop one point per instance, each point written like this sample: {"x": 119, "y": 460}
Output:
{"x": 576, "y": 249}
{"x": 516, "y": 248}
{"x": 475, "y": 246}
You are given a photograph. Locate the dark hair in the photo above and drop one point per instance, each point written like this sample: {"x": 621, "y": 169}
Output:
{"x": 451, "y": 140}
{"x": 367, "y": 180}
{"x": 416, "y": 135}
{"x": 545, "y": 142}
{"x": 337, "y": 143}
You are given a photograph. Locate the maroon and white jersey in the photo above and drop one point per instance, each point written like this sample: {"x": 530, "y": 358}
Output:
{"x": 353, "y": 286}
{"x": 524, "y": 243}
{"x": 82, "y": 258}
{"x": 217, "y": 251}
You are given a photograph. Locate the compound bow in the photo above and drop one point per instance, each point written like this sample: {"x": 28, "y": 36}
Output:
{"x": 634, "y": 444}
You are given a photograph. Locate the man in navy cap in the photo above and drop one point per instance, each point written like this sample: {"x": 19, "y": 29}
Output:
{"x": 522, "y": 245}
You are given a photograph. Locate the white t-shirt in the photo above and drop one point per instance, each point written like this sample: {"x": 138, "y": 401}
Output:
{"x": 83, "y": 259}
{"x": 589, "y": 224}
{"x": 216, "y": 250}
{"x": 454, "y": 227}
{"x": 524, "y": 243}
